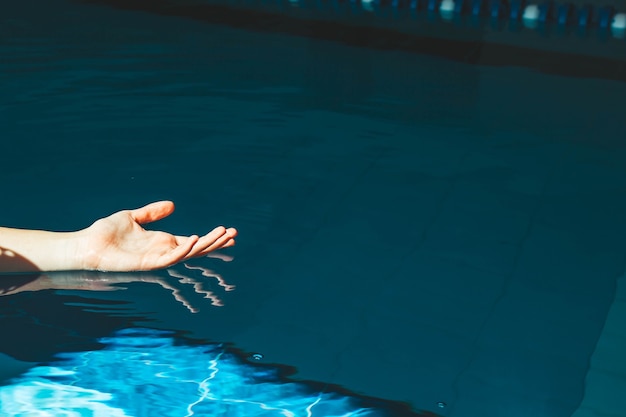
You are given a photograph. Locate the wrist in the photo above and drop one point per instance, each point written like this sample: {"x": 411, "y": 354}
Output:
{"x": 80, "y": 253}
{"x": 66, "y": 248}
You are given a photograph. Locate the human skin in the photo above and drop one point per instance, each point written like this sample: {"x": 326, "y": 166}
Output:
{"x": 114, "y": 243}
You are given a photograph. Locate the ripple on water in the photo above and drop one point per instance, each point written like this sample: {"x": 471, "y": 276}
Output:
{"x": 148, "y": 372}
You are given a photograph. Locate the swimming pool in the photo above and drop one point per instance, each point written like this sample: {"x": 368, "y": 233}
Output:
{"x": 415, "y": 232}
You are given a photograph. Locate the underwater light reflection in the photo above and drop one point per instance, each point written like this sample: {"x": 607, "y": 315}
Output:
{"x": 146, "y": 372}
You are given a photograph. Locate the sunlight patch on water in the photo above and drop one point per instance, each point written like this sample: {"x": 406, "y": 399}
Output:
{"x": 147, "y": 372}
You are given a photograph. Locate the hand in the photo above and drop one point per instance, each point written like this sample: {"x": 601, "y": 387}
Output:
{"x": 120, "y": 243}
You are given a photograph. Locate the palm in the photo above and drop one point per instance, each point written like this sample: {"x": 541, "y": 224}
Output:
{"x": 120, "y": 243}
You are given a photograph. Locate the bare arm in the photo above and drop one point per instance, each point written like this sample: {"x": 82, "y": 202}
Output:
{"x": 38, "y": 250}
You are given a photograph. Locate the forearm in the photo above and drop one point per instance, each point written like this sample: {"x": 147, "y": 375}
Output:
{"x": 37, "y": 250}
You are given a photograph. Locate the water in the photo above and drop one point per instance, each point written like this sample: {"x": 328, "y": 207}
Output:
{"x": 412, "y": 229}
{"x": 198, "y": 380}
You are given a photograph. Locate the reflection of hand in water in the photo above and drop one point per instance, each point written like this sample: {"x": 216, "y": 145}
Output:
{"x": 100, "y": 281}
{"x": 197, "y": 285}
{"x": 212, "y": 274}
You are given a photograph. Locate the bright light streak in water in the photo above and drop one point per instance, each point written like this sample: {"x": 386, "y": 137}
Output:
{"x": 144, "y": 372}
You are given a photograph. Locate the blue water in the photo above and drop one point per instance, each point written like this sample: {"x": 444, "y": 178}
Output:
{"x": 426, "y": 234}
{"x": 168, "y": 379}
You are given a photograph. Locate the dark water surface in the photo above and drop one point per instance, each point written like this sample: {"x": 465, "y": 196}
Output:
{"x": 412, "y": 229}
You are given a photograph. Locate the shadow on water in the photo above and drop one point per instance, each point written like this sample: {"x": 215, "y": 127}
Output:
{"x": 472, "y": 48}
{"x": 68, "y": 311}
{"x": 43, "y": 323}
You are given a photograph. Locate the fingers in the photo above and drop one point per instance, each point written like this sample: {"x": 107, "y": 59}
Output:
{"x": 229, "y": 243}
{"x": 177, "y": 254}
{"x": 222, "y": 242}
{"x": 218, "y": 238}
{"x": 192, "y": 246}
{"x": 205, "y": 241}
{"x": 152, "y": 212}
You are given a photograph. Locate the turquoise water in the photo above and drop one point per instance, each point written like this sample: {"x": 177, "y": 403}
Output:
{"x": 417, "y": 232}
{"x": 168, "y": 379}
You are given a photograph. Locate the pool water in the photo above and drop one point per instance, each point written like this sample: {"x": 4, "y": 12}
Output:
{"x": 198, "y": 380}
{"x": 417, "y": 235}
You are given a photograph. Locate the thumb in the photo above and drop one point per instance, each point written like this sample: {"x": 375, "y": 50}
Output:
{"x": 152, "y": 212}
